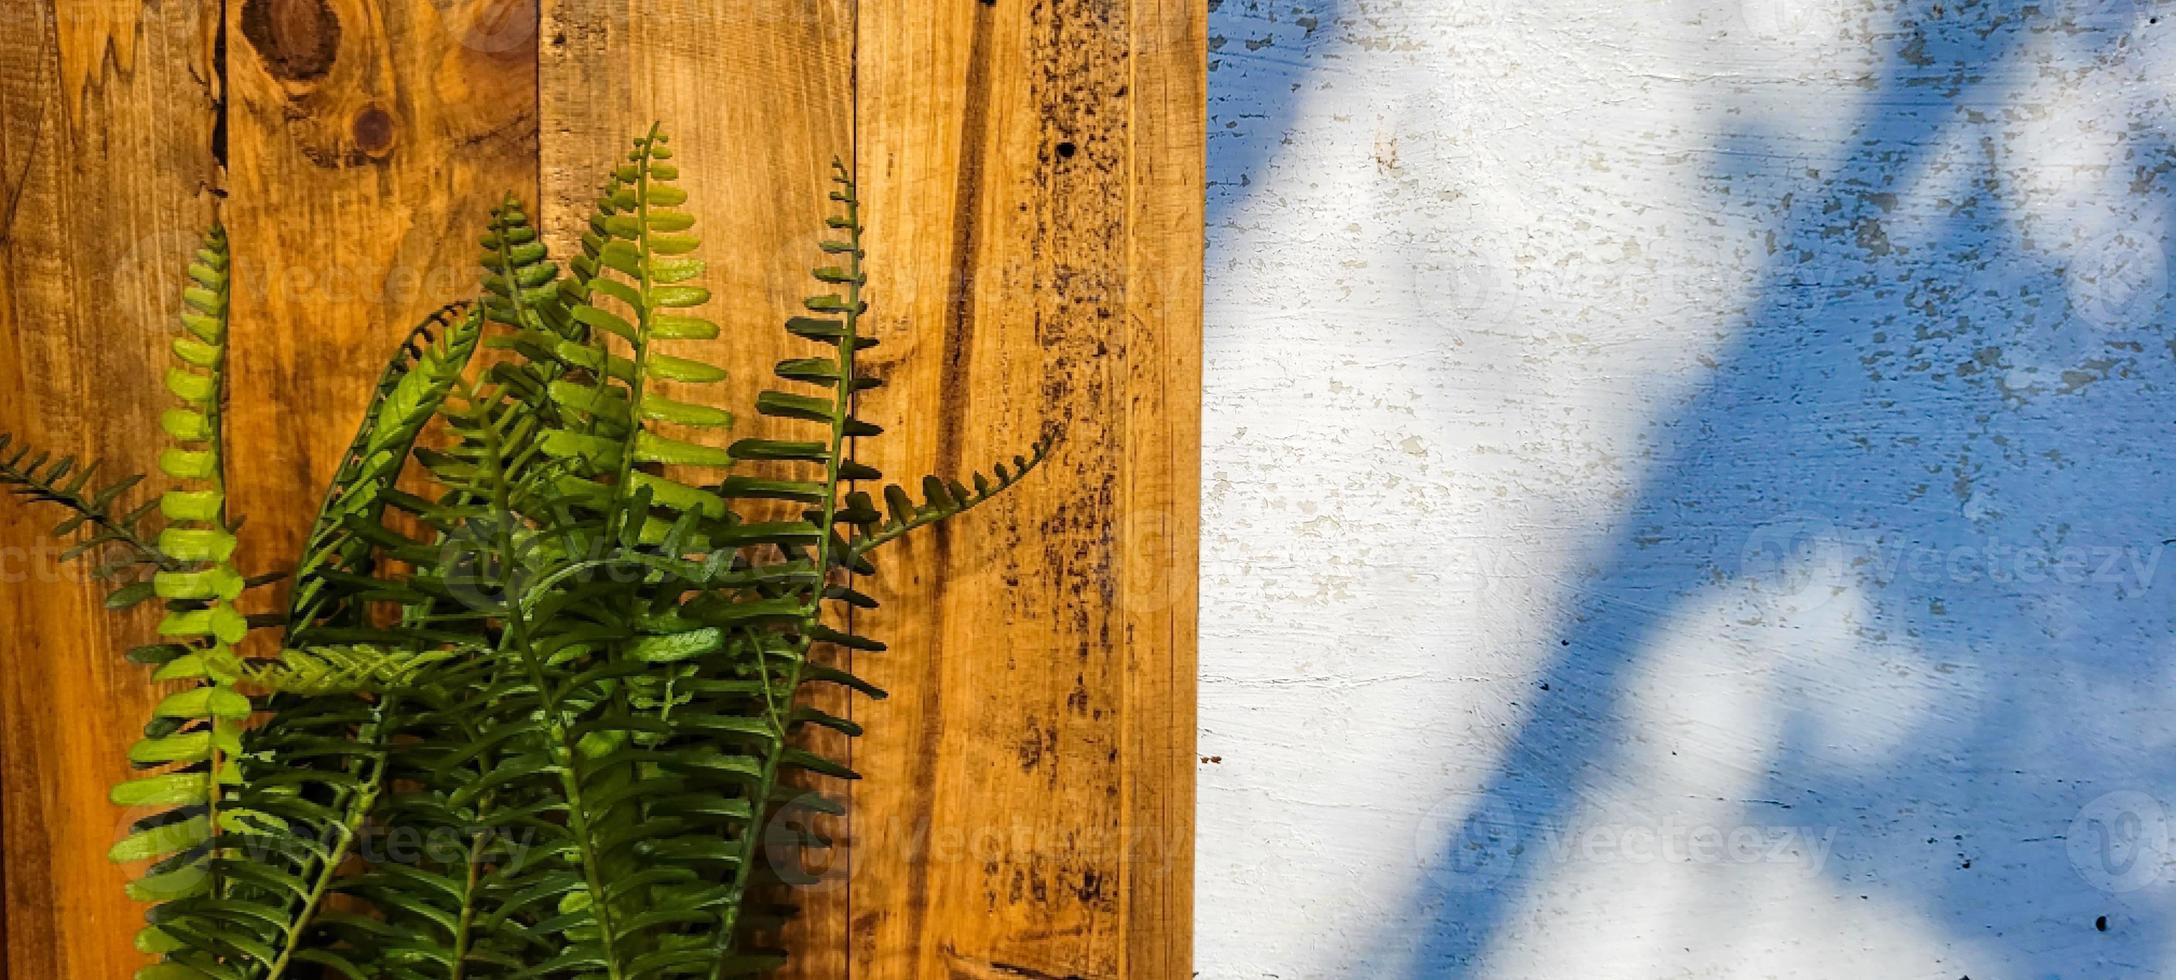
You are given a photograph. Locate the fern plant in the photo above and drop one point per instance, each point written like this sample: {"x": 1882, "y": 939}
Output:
{"x": 550, "y": 629}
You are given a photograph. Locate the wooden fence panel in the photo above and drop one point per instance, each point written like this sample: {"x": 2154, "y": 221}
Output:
{"x": 107, "y": 116}
{"x": 1034, "y": 174}
{"x": 1160, "y": 528}
{"x": 368, "y": 140}
{"x": 757, "y": 98}
{"x": 1034, "y": 181}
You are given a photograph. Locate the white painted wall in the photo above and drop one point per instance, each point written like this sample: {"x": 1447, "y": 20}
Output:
{"x": 1686, "y": 489}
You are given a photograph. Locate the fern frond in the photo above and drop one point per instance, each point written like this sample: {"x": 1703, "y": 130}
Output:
{"x": 523, "y": 291}
{"x": 941, "y": 499}
{"x": 353, "y": 669}
{"x": 521, "y": 283}
{"x": 565, "y": 648}
{"x": 777, "y": 647}
{"x": 633, "y": 289}
{"x": 311, "y": 780}
{"x": 194, "y": 734}
{"x": 812, "y": 470}
{"x": 94, "y": 505}
{"x": 326, "y": 736}
{"x": 337, "y": 556}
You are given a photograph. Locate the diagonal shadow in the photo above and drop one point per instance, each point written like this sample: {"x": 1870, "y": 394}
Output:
{"x": 1261, "y": 54}
{"x": 1911, "y": 408}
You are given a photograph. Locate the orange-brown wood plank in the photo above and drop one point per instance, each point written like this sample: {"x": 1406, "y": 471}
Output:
{"x": 368, "y": 140}
{"x": 1034, "y": 179}
{"x": 756, "y": 97}
{"x": 107, "y": 115}
{"x": 1160, "y": 527}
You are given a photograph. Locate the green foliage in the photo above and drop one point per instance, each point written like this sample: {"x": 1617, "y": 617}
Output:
{"x": 93, "y": 505}
{"x": 540, "y": 677}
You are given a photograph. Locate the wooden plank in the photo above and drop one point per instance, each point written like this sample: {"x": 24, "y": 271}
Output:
{"x": 368, "y": 140}
{"x": 756, "y": 96}
{"x": 1160, "y": 534}
{"x": 107, "y": 114}
{"x": 1034, "y": 173}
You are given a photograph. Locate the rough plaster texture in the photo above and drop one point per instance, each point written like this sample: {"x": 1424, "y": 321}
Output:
{"x": 1686, "y": 490}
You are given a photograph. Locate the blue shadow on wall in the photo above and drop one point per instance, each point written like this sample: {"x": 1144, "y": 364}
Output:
{"x": 1962, "y": 432}
{"x": 1259, "y": 62}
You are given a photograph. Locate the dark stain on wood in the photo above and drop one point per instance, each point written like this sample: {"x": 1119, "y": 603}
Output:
{"x": 959, "y": 328}
{"x": 298, "y": 39}
{"x": 373, "y": 130}
{"x": 1030, "y": 747}
{"x": 1090, "y": 891}
{"x": 959, "y": 331}
{"x": 960, "y": 966}
{"x": 217, "y": 88}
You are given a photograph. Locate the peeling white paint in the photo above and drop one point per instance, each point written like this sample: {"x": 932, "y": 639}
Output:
{"x": 1631, "y": 425}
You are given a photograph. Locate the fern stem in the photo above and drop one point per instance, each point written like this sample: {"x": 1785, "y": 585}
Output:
{"x": 555, "y": 722}
{"x": 641, "y": 340}
{"x": 863, "y": 545}
{"x": 570, "y": 782}
{"x": 350, "y": 827}
{"x": 216, "y": 758}
{"x": 842, "y": 411}
{"x": 467, "y": 920}
{"x": 637, "y": 383}
{"x": 35, "y": 486}
{"x": 464, "y": 931}
{"x": 463, "y": 935}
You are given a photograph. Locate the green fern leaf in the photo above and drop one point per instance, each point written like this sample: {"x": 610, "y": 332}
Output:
{"x": 409, "y": 392}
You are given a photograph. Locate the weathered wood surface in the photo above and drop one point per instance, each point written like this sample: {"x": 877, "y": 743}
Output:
{"x": 756, "y": 164}
{"x": 1034, "y": 179}
{"x": 367, "y": 141}
{"x": 107, "y": 114}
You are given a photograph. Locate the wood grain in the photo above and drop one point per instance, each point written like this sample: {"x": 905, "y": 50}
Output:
{"x": 1028, "y": 797}
{"x": 1029, "y": 792}
{"x": 1036, "y": 218}
{"x": 1034, "y": 172}
{"x": 754, "y": 96}
{"x": 1160, "y": 527}
{"x": 368, "y": 140}
{"x": 107, "y": 114}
